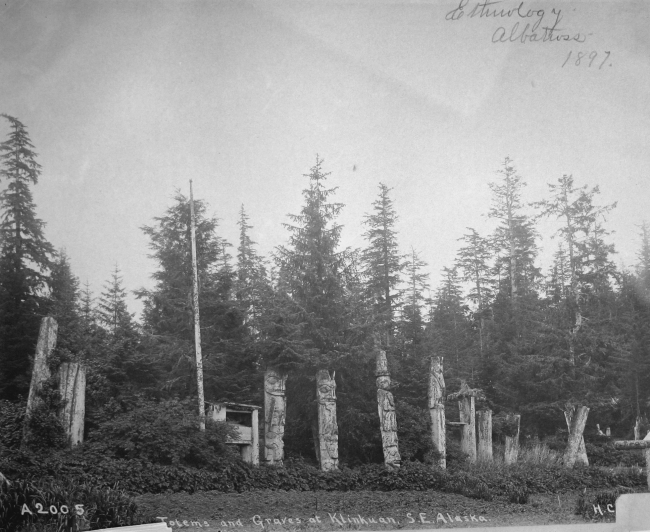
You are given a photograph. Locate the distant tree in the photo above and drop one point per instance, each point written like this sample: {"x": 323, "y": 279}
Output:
{"x": 588, "y": 261}
{"x": 382, "y": 261}
{"x": 112, "y": 308}
{"x": 514, "y": 238}
{"x": 64, "y": 306}
{"x": 251, "y": 283}
{"x": 414, "y": 300}
{"x": 473, "y": 260}
{"x": 25, "y": 260}
{"x": 168, "y": 319}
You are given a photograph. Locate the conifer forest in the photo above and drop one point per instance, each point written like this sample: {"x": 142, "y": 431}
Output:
{"x": 534, "y": 341}
{"x": 531, "y": 342}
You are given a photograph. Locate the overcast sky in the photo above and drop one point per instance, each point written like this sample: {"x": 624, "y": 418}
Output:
{"x": 125, "y": 101}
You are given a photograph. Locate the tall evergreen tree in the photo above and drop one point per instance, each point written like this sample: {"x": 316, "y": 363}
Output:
{"x": 112, "y": 309}
{"x": 382, "y": 261}
{"x": 25, "y": 260}
{"x": 312, "y": 266}
{"x": 251, "y": 284}
{"x": 515, "y": 235}
{"x": 587, "y": 256}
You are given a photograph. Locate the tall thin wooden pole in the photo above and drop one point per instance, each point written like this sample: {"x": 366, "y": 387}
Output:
{"x": 197, "y": 320}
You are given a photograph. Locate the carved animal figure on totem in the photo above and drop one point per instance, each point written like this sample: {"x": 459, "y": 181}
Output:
{"x": 328, "y": 432}
{"x": 274, "y": 415}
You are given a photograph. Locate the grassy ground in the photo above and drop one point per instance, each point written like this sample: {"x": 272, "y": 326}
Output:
{"x": 272, "y": 510}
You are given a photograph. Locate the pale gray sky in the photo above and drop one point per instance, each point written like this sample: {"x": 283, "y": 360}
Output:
{"x": 127, "y": 100}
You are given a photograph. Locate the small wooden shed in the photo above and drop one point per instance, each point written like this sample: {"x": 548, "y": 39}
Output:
{"x": 245, "y": 419}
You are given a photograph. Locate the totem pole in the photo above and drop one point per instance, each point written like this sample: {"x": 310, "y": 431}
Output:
{"x": 274, "y": 415}
{"x": 437, "y": 409}
{"x": 328, "y": 432}
{"x": 386, "y": 406}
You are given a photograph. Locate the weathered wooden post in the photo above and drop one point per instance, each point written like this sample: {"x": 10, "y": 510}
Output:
{"x": 581, "y": 456}
{"x": 485, "y": 435}
{"x": 41, "y": 370}
{"x": 512, "y": 442}
{"x": 466, "y": 396}
{"x": 575, "y": 434}
{"x": 638, "y": 444}
{"x": 328, "y": 431}
{"x": 274, "y": 415}
{"x": 437, "y": 409}
{"x": 72, "y": 388}
{"x": 386, "y": 408}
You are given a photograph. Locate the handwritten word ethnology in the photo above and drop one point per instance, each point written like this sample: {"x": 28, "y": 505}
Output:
{"x": 527, "y": 25}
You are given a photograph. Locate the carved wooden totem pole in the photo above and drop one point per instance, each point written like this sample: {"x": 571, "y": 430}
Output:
{"x": 274, "y": 415}
{"x": 466, "y": 396}
{"x": 387, "y": 415}
{"x": 328, "y": 431}
{"x": 437, "y": 409}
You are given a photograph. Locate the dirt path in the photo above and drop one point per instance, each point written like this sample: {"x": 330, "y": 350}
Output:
{"x": 361, "y": 510}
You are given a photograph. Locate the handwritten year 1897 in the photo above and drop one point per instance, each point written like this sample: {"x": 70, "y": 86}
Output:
{"x": 585, "y": 59}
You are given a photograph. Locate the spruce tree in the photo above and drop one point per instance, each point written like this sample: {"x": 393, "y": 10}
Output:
{"x": 251, "y": 284}
{"x": 515, "y": 235}
{"x": 311, "y": 267}
{"x": 64, "y": 306}
{"x": 382, "y": 261}
{"x": 474, "y": 263}
{"x": 415, "y": 298}
{"x": 25, "y": 260}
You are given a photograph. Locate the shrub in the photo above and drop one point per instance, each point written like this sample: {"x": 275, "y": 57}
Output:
{"x": 11, "y": 421}
{"x": 163, "y": 433}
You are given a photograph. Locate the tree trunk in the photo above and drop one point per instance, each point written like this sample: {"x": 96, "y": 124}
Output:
{"x": 41, "y": 370}
{"x": 437, "y": 409}
{"x": 512, "y": 442}
{"x": 72, "y": 387}
{"x": 274, "y": 416}
{"x": 581, "y": 457}
{"x": 468, "y": 435}
{"x": 328, "y": 431}
{"x": 485, "y": 435}
{"x": 575, "y": 434}
{"x": 387, "y": 415}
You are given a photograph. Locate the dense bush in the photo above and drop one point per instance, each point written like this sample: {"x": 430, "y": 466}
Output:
{"x": 163, "y": 433}
{"x": 11, "y": 420}
{"x": 67, "y": 503}
{"x": 137, "y": 476}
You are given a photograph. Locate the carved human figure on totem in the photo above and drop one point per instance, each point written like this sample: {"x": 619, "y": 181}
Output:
{"x": 388, "y": 420}
{"x": 328, "y": 431}
{"x": 274, "y": 415}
